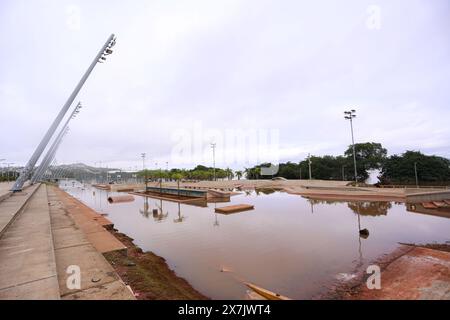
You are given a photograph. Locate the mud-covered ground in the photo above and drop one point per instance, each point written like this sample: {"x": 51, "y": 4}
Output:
{"x": 406, "y": 274}
{"x": 148, "y": 274}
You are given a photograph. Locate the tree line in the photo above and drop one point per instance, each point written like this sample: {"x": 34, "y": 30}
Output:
{"x": 394, "y": 169}
{"x": 200, "y": 172}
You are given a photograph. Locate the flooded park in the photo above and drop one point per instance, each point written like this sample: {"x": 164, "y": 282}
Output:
{"x": 289, "y": 244}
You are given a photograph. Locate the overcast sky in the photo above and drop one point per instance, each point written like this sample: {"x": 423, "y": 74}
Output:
{"x": 188, "y": 73}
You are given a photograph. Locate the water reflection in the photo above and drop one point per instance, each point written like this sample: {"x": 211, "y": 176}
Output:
{"x": 158, "y": 214}
{"x": 300, "y": 252}
{"x": 145, "y": 212}
{"x": 264, "y": 191}
{"x": 365, "y": 208}
{"x": 378, "y": 208}
{"x": 180, "y": 218}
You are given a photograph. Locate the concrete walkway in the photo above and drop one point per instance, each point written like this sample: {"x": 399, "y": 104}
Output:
{"x": 12, "y": 205}
{"x": 4, "y": 190}
{"x": 73, "y": 248}
{"x": 93, "y": 225}
{"x": 28, "y": 267}
{"x": 40, "y": 240}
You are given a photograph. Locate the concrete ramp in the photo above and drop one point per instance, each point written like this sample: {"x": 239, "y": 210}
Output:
{"x": 28, "y": 267}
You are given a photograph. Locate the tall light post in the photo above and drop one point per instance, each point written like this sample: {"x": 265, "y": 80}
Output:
{"x": 143, "y": 168}
{"x": 349, "y": 115}
{"x": 50, "y": 156}
{"x": 99, "y": 58}
{"x": 46, "y": 161}
{"x": 213, "y": 146}
{"x": 143, "y": 160}
{"x": 300, "y": 167}
{"x": 167, "y": 172}
{"x": 415, "y": 173}
{"x": 309, "y": 166}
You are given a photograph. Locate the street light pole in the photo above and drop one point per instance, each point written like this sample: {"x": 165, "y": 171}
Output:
{"x": 47, "y": 159}
{"x": 213, "y": 146}
{"x": 100, "y": 57}
{"x": 300, "y": 166}
{"x": 349, "y": 115}
{"x": 415, "y": 173}
{"x": 143, "y": 160}
{"x": 50, "y": 156}
{"x": 309, "y": 165}
{"x": 143, "y": 168}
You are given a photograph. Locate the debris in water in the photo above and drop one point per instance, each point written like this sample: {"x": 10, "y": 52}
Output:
{"x": 345, "y": 276}
{"x": 120, "y": 199}
{"x": 364, "y": 233}
{"x": 234, "y": 208}
{"x": 269, "y": 295}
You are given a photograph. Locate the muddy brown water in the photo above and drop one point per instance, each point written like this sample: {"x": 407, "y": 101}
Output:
{"x": 287, "y": 244}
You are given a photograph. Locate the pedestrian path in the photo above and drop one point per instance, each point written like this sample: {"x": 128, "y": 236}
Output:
{"x": 42, "y": 244}
{"x": 28, "y": 267}
{"x": 10, "y": 206}
{"x": 98, "y": 279}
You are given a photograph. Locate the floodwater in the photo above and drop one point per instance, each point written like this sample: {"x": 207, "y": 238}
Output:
{"x": 287, "y": 244}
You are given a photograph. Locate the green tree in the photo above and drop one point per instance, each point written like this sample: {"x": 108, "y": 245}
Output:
{"x": 229, "y": 173}
{"x": 253, "y": 173}
{"x": 399, "y": 169}
{"x": 177, "y": 176}
{"x": 369, "y": 156}
{"x": 145, "y": 174}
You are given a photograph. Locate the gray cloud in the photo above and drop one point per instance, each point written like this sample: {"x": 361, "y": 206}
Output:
{"x": 286, "y": 65}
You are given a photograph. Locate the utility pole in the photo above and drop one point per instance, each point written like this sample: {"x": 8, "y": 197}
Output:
{"x": 343, "y": 173}
{"x": 143, "y": 168}
{"x": 349, "y": 115}
{"x": 213, "y": 146}
{"x": 309, "y": 164}
{"x": 143, "y": 160}
{"x": 100, "y": 57}
{"x": 167, "y": 171}
{"x": 415, "y": 172}
{"x": 300, "y": 166}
